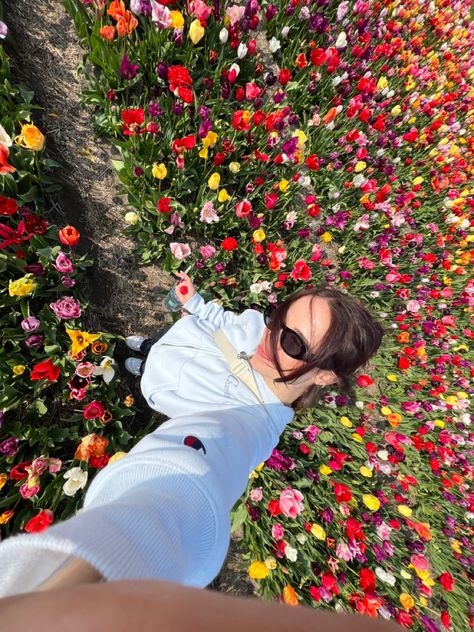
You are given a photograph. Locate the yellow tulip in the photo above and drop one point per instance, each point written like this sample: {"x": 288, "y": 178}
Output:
{"x": 258, "y": 570}
{"x": 259, "y": 235}
{"x": 223, "y": 195}
{"x": 196, "y": 31}
{"x": 382, "y": 83}
{"x": 325, "y": 470}
{"x": 30, "y": 137}
{"x": 326, "y": 237}
{"x": 214, "y": 181}
{"x": 80, "y": 340}
{"x": 365, "y": 471}
{"x": 177, "y": 20}
{"x": 159, "y": 171}
{"x": 372, "y": 502}
{"x": 345, "y": 421}
{"x": 405, "y": 510}
{"x": 19, "y": 369}
{"x": 301, "y": 136}
{"x": 3, "y": 480}
{"x": 283, "y": 185}
{"x": 357, "y": 437}
{"x": 270, "y": 563}
{"x": 21, "y": 287}
{"x": 360, "y": 166}
{"x": 234, "y": 167}
{"x": 210, "y": 139}
{"x": 407, "y": 601}
{"x": 391, "y": 377}
{"x": 318, "y": 532}
{"x": 385, "y": 410}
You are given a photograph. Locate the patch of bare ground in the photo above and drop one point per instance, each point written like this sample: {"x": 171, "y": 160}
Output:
{"x": 45, "y": 54}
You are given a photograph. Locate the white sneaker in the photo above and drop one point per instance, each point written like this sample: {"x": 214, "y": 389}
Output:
{"x": 133, "y": 366}
{"x": 134, "y": 342}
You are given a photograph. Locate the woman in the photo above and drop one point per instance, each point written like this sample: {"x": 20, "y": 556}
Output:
{"x": 317, "y": 337}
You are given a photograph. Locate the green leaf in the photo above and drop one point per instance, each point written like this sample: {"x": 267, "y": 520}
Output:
{"x": 238, "y": 517}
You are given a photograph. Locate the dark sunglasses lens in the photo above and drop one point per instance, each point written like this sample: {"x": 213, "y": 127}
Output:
{"x": 292, "y": 344}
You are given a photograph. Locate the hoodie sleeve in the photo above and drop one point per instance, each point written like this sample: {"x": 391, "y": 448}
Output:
{"x": 161, "y": 512}
{"x": 211, "y": 312}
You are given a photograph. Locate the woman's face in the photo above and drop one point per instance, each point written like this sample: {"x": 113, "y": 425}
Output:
{"x": 310, "y": 318}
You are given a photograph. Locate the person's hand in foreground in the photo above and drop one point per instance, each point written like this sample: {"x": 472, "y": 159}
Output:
{"x": 156, "y": 606}
{"x": 184, "y": 288}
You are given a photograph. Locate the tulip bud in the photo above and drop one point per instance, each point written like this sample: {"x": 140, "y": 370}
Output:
{"x": 223, "y": 36}
{"x": 131, "y": 218}
{"x": 241, "y": 51}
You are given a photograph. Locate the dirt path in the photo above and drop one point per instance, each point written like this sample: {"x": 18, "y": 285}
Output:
{"x": 45, "y": 57}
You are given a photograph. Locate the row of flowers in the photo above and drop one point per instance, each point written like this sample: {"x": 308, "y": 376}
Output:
{"x": 61, "y": 409}
{"x": 278, "y": 145}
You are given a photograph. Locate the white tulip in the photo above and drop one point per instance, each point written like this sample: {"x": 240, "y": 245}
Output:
{"x": 291, "y": 553}
{"x": 274, "y": 45}
{"x": 241, "y": 50}
{"x": 105, "y": 369}
{"x": 284, "y": 31}
{"x": 76, "y": 479}
{"x": 341, "y": 41}
{"x": 4, "y": 137}
{"x": 223, "y": 35}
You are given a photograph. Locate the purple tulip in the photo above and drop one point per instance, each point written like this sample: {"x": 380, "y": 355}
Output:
{"x": 67, "y": 281}
{"x": 162, "y": 71}
{"x": 30, "y": 324}
{"x": 35, "y": 341}
{"x": 9, "y": 447}
{"x": 35, "y": 268}
{"x": 127, "y": 70}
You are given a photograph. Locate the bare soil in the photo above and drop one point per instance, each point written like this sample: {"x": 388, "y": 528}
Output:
{"x": 45, "y": 55}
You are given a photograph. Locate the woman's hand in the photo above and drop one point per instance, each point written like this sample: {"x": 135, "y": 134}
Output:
{"x": 184, "y": 288}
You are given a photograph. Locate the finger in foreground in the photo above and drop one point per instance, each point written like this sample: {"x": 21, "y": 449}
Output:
{"x": 155, "y": 606}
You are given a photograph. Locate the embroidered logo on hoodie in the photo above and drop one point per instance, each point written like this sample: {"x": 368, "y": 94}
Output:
{"x": 194, "y": 442}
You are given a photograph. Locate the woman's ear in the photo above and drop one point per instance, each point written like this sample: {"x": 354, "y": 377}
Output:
{"x": 325, "y": 378}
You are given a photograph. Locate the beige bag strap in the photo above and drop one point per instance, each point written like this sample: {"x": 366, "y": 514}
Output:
{"x": 238, "y": 365}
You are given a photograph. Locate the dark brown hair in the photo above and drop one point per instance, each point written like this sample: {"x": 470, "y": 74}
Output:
{"x": 352, "y": 339}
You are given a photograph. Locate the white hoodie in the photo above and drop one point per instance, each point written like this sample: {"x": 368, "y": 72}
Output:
{"x": 186, "y": 372}
{"x": 162, "y": 512}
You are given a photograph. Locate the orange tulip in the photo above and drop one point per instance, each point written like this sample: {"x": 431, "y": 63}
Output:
{"x": 116, "y": 9}
{"x": 107, "y": 33}
{"x": 423, "y": 530}
{"x": 330, "y": 116}
{"x": 289, "y": 596}
{"x": 126, "y": 24}
{"x": 6, "y": 516}
{"x": 394, "y": 419}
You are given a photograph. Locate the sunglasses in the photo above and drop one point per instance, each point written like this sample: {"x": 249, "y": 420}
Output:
{"x": 290, "y": 341}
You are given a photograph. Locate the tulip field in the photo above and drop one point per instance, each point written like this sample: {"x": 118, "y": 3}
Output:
{"x": 268, "y": 146}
